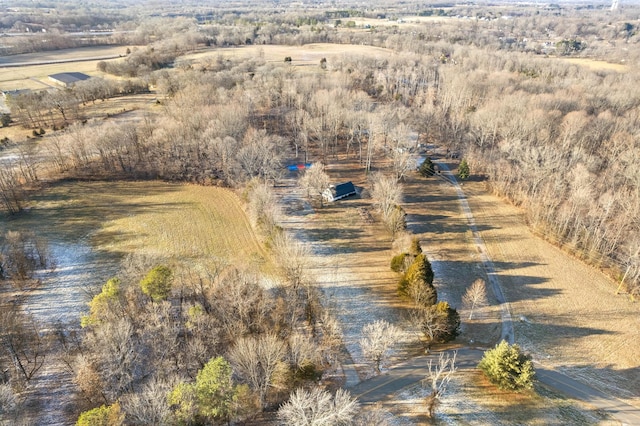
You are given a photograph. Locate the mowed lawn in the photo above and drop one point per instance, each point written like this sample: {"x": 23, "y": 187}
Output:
{"x": 164, "y": 220}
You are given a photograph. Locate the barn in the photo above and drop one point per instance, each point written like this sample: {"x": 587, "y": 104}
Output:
{"x": 68, "y": 79}
{"x": 339, "y": 191}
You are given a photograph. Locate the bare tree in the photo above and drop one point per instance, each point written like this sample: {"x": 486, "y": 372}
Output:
{"x": 428, "y": 324}
{"x": 117, "y": 358}
{"x": 438, "y": 378}
{"x": 475, "y": 297}
{"x": 148, "y": 406}
{"x": 264, "y": 209}
{"x": 22, "y": 339}
{"x": 331, "y": 337}
{"x": 377, "y": 342}
{"x": 315, "y": 181}
{"x": 318, "y": 408}
{"x": 256, "y": 359}
{"x": 387, "y": 194}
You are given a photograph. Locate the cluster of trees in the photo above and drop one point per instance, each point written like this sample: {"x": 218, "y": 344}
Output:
{"x": 436, "y": 321}
{"x": 216, "y": 342}
{"x": 57, "y": 108}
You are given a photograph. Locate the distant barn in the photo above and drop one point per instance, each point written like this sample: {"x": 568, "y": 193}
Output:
{"x": 68, "y": 79}
{"x": 339, "y": 191}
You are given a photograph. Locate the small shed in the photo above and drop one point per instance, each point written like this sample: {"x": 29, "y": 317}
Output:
{"x": 68, "y": 79}
{"x": 339, "y": 191}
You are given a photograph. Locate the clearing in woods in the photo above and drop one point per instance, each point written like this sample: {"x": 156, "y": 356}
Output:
{"x": 352, "y": 268}
{"x": 90, "y": 226}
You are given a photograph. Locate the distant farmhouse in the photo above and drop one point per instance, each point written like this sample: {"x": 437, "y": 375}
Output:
{"x": 68, "y": 79}
{"x": 339, "y": 191}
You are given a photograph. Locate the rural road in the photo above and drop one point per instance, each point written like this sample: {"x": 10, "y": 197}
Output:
{"x": 411, "y": 372}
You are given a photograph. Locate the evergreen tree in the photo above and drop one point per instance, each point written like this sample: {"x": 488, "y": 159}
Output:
{"x": 508, "y": 367}
{"x": 417, "y": 282}
{"x": 427, "y": 168}
{"x": 157, "y": 283}
{"x": 463, "y": 170}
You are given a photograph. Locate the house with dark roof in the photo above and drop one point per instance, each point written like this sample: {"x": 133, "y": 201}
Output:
{"x": 68, "y": 79}
{"x": 337, "y": 192}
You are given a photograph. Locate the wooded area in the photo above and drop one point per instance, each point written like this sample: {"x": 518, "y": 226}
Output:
{"x": 492, "y": 85}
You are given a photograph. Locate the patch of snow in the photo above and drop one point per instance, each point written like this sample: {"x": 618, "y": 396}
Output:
{"x": 63, "y": 295}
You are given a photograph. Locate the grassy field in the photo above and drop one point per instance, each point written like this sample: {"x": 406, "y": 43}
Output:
{"x": 160, "y": 219}
{"x": 597, "y": 65}
{"x": 352, "y": 268}
{"x": 309, "y": 54}
{"x": 35, "y": 77}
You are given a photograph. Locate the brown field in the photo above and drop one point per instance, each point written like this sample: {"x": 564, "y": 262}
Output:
{"x": 566, "y": 313}
{"x": 405, "y": 20}
{"x": 597, "y": 65}
{"x": 300, "y": 55}
{"x": 170, "y": 221}
{"x": 471, "y": 400}
{"x": 35, "y": 77}
{"x": 352, "y": 268}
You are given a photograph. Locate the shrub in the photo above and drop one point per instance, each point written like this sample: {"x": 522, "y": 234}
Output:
{"x": 157, "y": 283}
{"x": 507, "y": 367}
{"x": 5, "y": 120}
{"x": 415, "y": 248}
{"x": 105, "y": 415}
{"x": 450, "y": 320}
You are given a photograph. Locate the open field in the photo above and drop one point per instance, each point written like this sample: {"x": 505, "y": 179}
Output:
{"x": 300, "y": 55}
{"x": 471, "y": 400}
{"x": 405, "y": 20}
{"x": 168, "y": 220}
{"x": 597, "y": 65}
{"x": 351, "y": 268}
{"x": 65, "y": 54}
{"x": 566, "y": 313}
{"x": 90, "y": 226}
{"x": 570, "y": 317}
{"x": 35, "y": 77}
{"x": 350, "y": 265}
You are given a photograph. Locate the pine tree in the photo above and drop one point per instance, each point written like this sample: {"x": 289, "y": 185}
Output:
{"x": 507, "y": 367}
{"x": 463, "y": 170}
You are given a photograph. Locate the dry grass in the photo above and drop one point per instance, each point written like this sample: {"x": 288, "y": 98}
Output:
{"x": 35, "y": 77}
{"x": 435, "y": 217}
{"x": 185, "y": 222}
{"x": 597, "y": 65}
{"x": 570, "y": 317}
{"x": 309, "y": 54}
